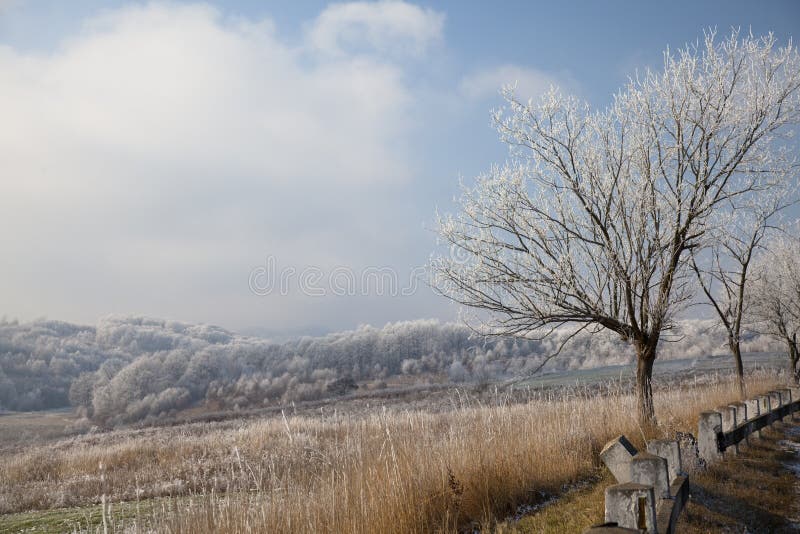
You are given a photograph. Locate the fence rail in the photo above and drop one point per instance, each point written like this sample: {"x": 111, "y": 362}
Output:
{"x": 726, "y": 440}
{"x": 652, "y": 488}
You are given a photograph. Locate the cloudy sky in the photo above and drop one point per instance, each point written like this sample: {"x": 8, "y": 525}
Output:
{"x": 269, "y": 164}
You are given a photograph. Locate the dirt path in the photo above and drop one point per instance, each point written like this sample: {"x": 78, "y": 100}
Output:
{"x": 757, "y": 491}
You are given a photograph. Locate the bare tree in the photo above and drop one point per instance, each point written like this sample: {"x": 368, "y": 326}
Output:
{"x": 774, "y": 300}
{"x": 723, "y": 270}
{"x": 593, "y": 220}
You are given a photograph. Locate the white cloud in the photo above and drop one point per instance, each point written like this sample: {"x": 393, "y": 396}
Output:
{"x": 530, "y": 82}
{"x": 176, "y": 86}
{"x": 152, "y": 160}
{"x": 388, "y": 26}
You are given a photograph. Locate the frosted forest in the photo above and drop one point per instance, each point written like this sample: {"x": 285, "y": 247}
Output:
{"x": 126, "y": 369}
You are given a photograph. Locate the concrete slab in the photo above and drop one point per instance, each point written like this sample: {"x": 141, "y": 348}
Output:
{"x": 631, "y": 506}
{"x": 617, "y": 455}
{"x": 708, "y": 425}
{"x": 651, "y": 470}
{"x": 753, "y": 411}
{"x": 669, "y": 450}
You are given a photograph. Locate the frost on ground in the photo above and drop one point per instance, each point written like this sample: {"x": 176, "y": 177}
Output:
{"x": 793, "y": 445}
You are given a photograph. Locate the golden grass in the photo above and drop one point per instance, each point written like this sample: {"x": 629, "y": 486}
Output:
{"x": 574, "y": 512}
{"x": 388, "y": 471}
{"x": 752, "y": 492}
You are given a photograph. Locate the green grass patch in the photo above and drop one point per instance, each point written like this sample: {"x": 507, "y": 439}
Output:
{"x": 575, "y": 511}
{"x": 81, "y": 519}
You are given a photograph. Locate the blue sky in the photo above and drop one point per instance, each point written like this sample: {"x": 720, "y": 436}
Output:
{"x": 158, "y": 156}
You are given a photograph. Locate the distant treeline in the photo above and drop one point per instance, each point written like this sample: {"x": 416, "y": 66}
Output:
{"x": 136, "y": 368}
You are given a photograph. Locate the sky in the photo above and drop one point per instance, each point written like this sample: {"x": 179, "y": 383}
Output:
{"x": 276, "y": 167}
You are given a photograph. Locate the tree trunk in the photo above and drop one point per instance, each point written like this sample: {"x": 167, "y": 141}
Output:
{"x": 645, "y": 356}
{"x": 794, "y": 356}
{"x": 737, "y": 358}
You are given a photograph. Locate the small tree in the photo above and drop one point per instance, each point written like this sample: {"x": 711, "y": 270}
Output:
{"x": 774, "y": 299}
{"x": 592, "y": 221}
{"x": 723, "y": 271}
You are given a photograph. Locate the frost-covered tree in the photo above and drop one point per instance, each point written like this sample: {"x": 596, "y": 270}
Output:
{"x": 593, "y": 220}
{"x": 116, "y": 374}
{"x": 774, "y": 298}
{"x": 723, "y": 270}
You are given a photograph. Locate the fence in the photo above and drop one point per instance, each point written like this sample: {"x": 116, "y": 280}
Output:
{"x": 652, "y": 488}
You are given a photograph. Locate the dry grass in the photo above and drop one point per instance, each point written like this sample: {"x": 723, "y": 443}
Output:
{"x": 753, "y": 492}
{"x": 574, "y": 511}
{"x": 384, "y": 472}
{"x": 23, "y": 429}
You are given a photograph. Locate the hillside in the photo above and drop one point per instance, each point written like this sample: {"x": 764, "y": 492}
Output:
{"x": 127, "y": 369}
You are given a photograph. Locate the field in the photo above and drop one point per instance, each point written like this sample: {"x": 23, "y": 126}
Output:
{"x": 474, "y": 459}
{"x": 23, "y": 429}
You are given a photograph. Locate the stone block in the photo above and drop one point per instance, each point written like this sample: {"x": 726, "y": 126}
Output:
{"x": 795, "y": 391}
{"x": 707, "y": 445}
{"x": 669, "y": 450}
{"x": 741, "y": 416}
{"x": 764, "y": 403}
{"x": 729, "y": 423}
{"x": 690, "y": 457}
{"x": 651, "y": 470}
{"x": 776, "y": 401}
{"x": 786, "y": 398}
{"x": 617, "y": 455}
{"x": 753, "y": 411}
{"x": 728, "y": 414}
{"x": 631, "y": 506}
{"x": 741, "y": 412}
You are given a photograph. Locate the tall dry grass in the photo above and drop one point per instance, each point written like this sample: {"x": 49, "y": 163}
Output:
{"x": 382, "y": 472}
